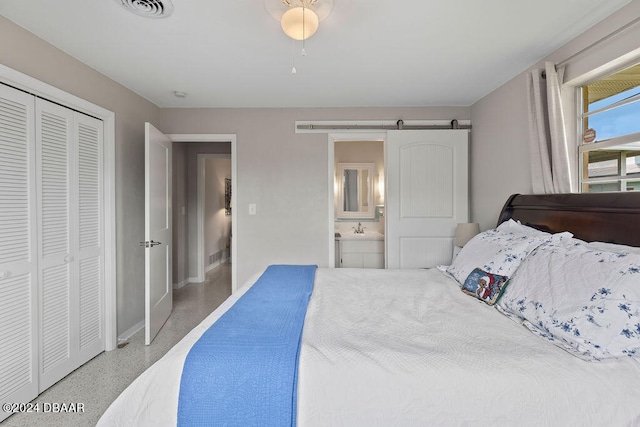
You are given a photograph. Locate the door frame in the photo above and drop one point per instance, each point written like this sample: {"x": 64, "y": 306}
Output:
{"x": 212, "y": 137}
{"x": 36, "y": 87}
{"x": 332, "y": 138}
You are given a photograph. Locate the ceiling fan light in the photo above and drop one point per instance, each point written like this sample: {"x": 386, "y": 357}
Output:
{"x": 292, "y": 23}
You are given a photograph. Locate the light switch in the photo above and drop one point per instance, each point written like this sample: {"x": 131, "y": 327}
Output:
{"x": 252, "y": 209}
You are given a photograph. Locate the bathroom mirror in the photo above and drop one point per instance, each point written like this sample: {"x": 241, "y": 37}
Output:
{"x": 355, "y": 190}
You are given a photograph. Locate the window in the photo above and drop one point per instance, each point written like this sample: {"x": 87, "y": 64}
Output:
{"x": 610, "y": 137}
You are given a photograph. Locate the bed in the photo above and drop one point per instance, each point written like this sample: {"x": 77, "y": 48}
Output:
{"x": 492, "y": 339}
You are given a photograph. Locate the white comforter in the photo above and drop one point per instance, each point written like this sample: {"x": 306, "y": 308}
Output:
{"x": 384, "y": 347}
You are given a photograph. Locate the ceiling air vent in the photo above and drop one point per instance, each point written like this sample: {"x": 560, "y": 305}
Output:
{"x": 148, "y": 8}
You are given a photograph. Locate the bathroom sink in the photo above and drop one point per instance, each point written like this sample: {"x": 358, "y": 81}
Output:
{"x": 366, "y": 236}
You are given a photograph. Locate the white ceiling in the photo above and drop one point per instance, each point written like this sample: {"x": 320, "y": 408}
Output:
{"x": 232, "y": 53}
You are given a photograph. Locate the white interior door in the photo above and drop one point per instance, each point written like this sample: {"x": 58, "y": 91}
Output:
{"x": 158, "y": 275}
{"x": 427, "y": 195}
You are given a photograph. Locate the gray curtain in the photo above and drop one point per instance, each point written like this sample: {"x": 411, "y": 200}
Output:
{"x": 548, "y": 145}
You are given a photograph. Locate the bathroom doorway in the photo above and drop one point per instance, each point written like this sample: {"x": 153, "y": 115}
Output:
{"x": 358, "y": 202}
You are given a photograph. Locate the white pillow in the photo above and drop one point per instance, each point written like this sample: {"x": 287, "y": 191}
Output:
{"x": 584, "y": 300}
{"x": 498, "y": 251}
{"x": 518, "y": 227}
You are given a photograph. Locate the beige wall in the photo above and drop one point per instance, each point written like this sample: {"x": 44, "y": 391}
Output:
{"x": 30, "y": 55}
{"x": 500, "y": 162}
{"x": 285, "y": 174}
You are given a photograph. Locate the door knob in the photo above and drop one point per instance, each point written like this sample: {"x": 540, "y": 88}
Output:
{"x": 150, "y": 243}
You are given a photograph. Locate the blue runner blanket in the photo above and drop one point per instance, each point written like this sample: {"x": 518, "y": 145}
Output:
{"x": 243, "y": 370}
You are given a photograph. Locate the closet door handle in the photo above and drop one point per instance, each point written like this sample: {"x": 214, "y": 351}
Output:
{"x": 5, "y": 274}
{"x": 68, "y": 258}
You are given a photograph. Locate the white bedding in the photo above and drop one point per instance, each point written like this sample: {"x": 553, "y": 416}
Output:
{"x": 407, "y": 347}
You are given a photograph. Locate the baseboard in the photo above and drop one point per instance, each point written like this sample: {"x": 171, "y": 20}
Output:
{"x": 197, "y": 279}
{"x": 215, "y": 264}
{"x": 181, "y": 284}
{"x": 131, "y": 331}
{"x": 211, "y": 267}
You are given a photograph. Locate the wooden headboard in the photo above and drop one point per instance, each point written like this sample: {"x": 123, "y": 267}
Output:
{"x": 605, "y": 217}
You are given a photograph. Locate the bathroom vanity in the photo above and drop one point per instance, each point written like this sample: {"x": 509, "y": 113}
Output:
{"x": 360, "y": 250}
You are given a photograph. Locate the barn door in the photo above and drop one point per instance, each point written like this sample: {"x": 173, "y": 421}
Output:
{"x": 427, "y": 195}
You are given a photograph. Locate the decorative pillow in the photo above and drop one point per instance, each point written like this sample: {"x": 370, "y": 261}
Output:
{"x": 584, "y": 300}
{"x": 498, "y": 251}
{"x": 485, "y": 286}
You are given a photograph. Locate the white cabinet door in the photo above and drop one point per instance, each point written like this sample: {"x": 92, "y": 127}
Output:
{"x": 18, "y": 255}
{"x": 375, "y": 260}
{"x": 353, "y": 260}
{"x": 427, "y": 195}
{"x": 361, "y": 253}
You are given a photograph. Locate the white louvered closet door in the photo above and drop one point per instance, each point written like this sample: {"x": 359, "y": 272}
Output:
{"x": 68, "y": 146}
{"x": 54, "y": 132}
{"x": 18, "y": 257}
{"x": 88, "y": 139}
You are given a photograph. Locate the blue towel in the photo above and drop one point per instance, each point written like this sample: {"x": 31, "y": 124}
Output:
{"x": 243, "y": 370}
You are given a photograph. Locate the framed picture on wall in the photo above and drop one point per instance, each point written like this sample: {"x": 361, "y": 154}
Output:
{"x": 227, "y": 196}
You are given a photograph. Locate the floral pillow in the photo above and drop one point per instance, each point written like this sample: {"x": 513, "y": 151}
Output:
{"x": 485, "y": 286}
{"x": 584, "y": 300}
{"x": 498, "y": 251}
